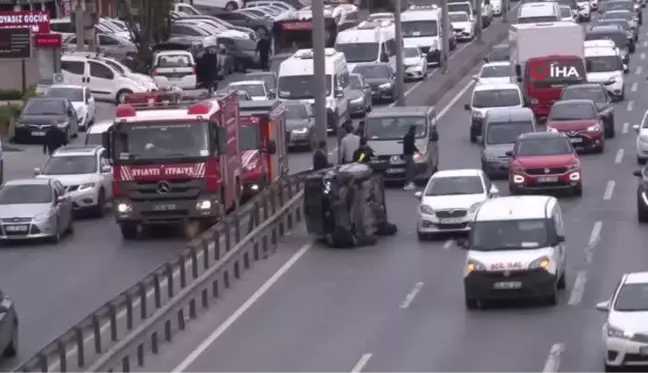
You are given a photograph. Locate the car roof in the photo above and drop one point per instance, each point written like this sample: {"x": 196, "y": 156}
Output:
{"x": 76, "y": 150}
{"x": 34, "y": 181}
{"x": 457, "y": 172}
{"x": 497, "y": 86}
{"x": 515, "y": 208}
{"x": 403, "y": 111}
{"x": 497, "y": 63}
{"x": 636, "y": 278}
{"x": 506, "y": 114}
{"x": 573, "y": 101}
{"x": 541, "y": 135}
{"x": 101, "y": 127}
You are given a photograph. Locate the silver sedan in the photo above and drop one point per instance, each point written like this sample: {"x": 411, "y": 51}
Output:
{"x": 35, "y": 209}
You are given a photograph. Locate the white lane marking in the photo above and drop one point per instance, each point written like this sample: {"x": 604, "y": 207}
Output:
{"x": 625, "y": 127}
{"x": 448, "y": 244}
{"x": 639, "y": 70}
{"x": 576, "y": 295}
{"x": 619, "y": 156}
{"x": 643, "y": 56}
{"x": 411, "y": 295}
{"x": 595, "y": 236}
{"x": 645, "y": 43}
{"x": 454, "y": 100}
{"x": 634, "y": 87}
{"x": 630, "y": 105}
{"x": 364, "y": 359}
{"x": 552, "y": 364}
{"x": 609, "y": 190}
{"x": 241, "y": 310}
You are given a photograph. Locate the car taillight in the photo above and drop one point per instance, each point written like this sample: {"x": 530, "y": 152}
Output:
{"x": 155, "y": 72}
{"x": 193, "y": 71}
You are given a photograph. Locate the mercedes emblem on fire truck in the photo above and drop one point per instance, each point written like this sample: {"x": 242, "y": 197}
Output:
{"x": 163, "y": 187}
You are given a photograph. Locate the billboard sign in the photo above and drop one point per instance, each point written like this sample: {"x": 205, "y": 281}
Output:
{"x": 37, "y": 20}
{"x": 15, "y": 43}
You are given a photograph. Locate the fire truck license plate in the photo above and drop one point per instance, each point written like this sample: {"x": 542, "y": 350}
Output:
{"x": 164, "y": 207}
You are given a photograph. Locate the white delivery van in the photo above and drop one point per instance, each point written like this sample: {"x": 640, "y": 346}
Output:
{"x": 370, "y": 41}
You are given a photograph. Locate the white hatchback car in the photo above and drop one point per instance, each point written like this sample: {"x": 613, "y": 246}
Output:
{"x": 86, "y": 173}
{"x": 414, "y": 63}
{"x": 255, "y": 88}
{"x": 450, "y": 200}
{"x": 642, "y": 139}
{"x": 625, "y": 332}
{"x": 174, "y": 68}
{"x": 494, "y": 73}
{"x": 82, "y": 101}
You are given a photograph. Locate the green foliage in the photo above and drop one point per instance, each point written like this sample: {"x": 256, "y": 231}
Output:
{"x": 7, "y": 113}
{"x": 148, "y": 22}
{"x": 29, "y": 93}
{"x": 10, "y": 95}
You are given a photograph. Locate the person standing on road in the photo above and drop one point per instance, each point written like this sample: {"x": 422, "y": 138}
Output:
{"x": 320, "y": 159}
{"x": 54, "y": 139}
{"x": 263, "y": 49}
{"x": 348, "y": 145}
{"x": 207, "y": 67}
{"x": 409, "y": 149}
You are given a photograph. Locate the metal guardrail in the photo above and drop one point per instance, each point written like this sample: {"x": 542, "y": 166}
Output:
{"x": 133, "y": 324}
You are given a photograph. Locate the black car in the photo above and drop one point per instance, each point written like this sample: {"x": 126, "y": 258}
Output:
{"x": 8, "y": 326}
{"x": 597, "y": 93}
{"x": 227, "y": 25}
{"x": 381, "y": 78}
{"x": 241, "y": 51}
{"x": 261, "y": 25}
{"x": 632, "y": 34}
{"x": 40, "y": 114}
{"x": 300, "y": 125}
{"x": 268, "y": 77}
{"x": 628, "y": 5}
{"x": 642, "y": 195}
{"x": 500, "y": 52}
{"x": 614, "y": 33}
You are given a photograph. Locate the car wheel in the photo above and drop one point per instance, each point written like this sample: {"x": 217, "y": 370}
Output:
{"x": 562, "y": 281}
{"x": 67, "y": 136}
{"x": 423, "y": 236}
{"x": 472, "y": 304}
{"x": 70, "y": 227}
{"x": 231, "y": 6}
{"x": 609, "y": 130}
{"x": 552, "y": 298}
{"x": 641, "y": 161}
{"x": 610, "y": 368}
{"x": 473, "y": 136}
{"x": 12, "y": 348}
{"x": 101, "y": 204}
{"x": 56, "y": 238}
{"x": 578, "y": 190}
{"x": 128, "y": 230}
{"x": 642, "y": 212}
{"x": 121, "y": 96}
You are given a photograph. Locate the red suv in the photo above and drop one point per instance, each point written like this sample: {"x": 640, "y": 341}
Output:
{"x": 544, "y": 161}
{"x": 581, "y": 121}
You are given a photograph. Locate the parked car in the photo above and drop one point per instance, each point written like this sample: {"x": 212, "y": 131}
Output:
{"x": 260, "y": 25}
{"x": 110, "y": 45}
{"x": 40, "y": 114}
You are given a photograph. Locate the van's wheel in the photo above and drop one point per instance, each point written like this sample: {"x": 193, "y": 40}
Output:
{"x": 231, "y": 6}
{"x": 121, "y": 96}
{"x": 128, "y": 230}
{"x": 562, "y": 281}
{"x": 471, "y": 304}
{"x": 101, "y": 204}
{"x": 12, "y": 348}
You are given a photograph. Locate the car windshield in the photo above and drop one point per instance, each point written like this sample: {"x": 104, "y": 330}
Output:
{"x": 411, "y": 52}
{"x": 117, "y": 66}
{"x": 296, "y": 112}
{"x": 632, "y": 297}
{"x": 617, "y": 15}
{"x": 170, "y": 60}
{"x": 249, "y": 137}
{"x": 44, "y": 107}
{"x": 145, "y": 141}
{"x": 496, "y": 98}
{"x": 70, "y": 165}
{"x": 299, "y": 87}
{"x": 501, "y": 235}
{"x": 394, "y": 128}
{"x": 618, "y": 22}
{"x": 254, "y": 90}
{"x": 595, "y": 94}
{"x": 268, "y": 79}
{"x": 495, "y": 71}
{"x": 565, "y": 12}
{"x": 572, "y": 111}
{"x": 446, "y": 186}
{"x": 372, "y": 71}
{"x": 619, "y": 38}
{"x": 24, "y": 194}
{"x": 546, "y": 146}
{"x": 359, "y": 52}
{"x": 499, "y": 53}
{"x": 506, "y": 133}
{"x": 604, "y": 63}
{"x": 459, "y": 7}
{"x": 413, "y": 29}
{"x": 72, "y": 94}
{"x": 459, "y": 17}
{"x": 355, "y": 81}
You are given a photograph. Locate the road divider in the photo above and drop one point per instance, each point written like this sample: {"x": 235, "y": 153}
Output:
{"x": 121, "y": 332}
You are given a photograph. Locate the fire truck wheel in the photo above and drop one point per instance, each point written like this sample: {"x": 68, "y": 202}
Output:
{"x": 128, "y": 230}
{"x": 121, "y": 96}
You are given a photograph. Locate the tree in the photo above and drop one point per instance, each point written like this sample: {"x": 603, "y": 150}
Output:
{"x": 148, "y": 22}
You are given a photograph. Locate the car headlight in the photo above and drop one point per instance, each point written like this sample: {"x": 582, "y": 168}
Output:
{"x": 551, "y": 129}
{"x": 615, "y": 332}
{"x": 478, "y": 114}
{"x": 474, "y": 207}
{"x": 41, "y": 217}
{"x": 385, "y": 86}
{"x": 540, "y": 263}
{"x": 62, "y": 124}
{"x": 86, "y": 186}
{"x": 358, "y": 100}
{"x": 643, "y": 138}
{"x": 300, "y": 131}
{"x": 474, "y": 265}
{"x": 427, "y": 210}
{"x": 594, "y": 128}
{"x": 123, "y": 208}
{"x": 203, "y": 205}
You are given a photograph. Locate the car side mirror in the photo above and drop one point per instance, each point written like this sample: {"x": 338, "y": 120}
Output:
{"x": 418, "y": 195}
{"x": 37, "y": 171}
{"x": 509, "y": 153}
{"x": 626, "y": 69}
{"x": 463, "y": 243}
{"x": 635, "y": 127}
{"x": 637, "y": 173}
{"x": 493, "y": 192}
{"x": 519, "y": 79}
{"x": 434, "y": 135}
{"x": 106, "y": 169}
{"x": 467, "y": 107}
{"x": 475, "y": 77}
{"x": 560, "y": 238}
{"x": 271, "y": 148}
{"x": 603, "y": 306}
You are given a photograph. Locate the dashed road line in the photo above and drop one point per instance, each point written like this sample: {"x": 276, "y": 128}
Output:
{"x": 625, "y": 127}
{"x": 576, "y": 295}
{"x": 630, "y": 105}
{"x": 643, "y": 56}
{"x": 609, "y": 190}
{"x": 552, "y": 364}
{"x": 448, "y": 244}
{"x": 619, "y": 156}
{"x": 364, "y": 359}
{"x": 411, "y": 295}
{"x": 634, "y": 87}
{"x": 595, "y": 236}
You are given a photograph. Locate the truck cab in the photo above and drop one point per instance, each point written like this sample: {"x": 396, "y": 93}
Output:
{"x": 264, "y": 154}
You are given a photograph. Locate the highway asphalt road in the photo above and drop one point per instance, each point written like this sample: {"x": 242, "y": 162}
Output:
{"x": 399, "y": 305}
{"x": 55, "y": 286}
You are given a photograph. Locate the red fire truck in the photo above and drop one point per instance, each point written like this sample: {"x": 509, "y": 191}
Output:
{"x": 264, "y": 155}
{"x": 176, "y": 163}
